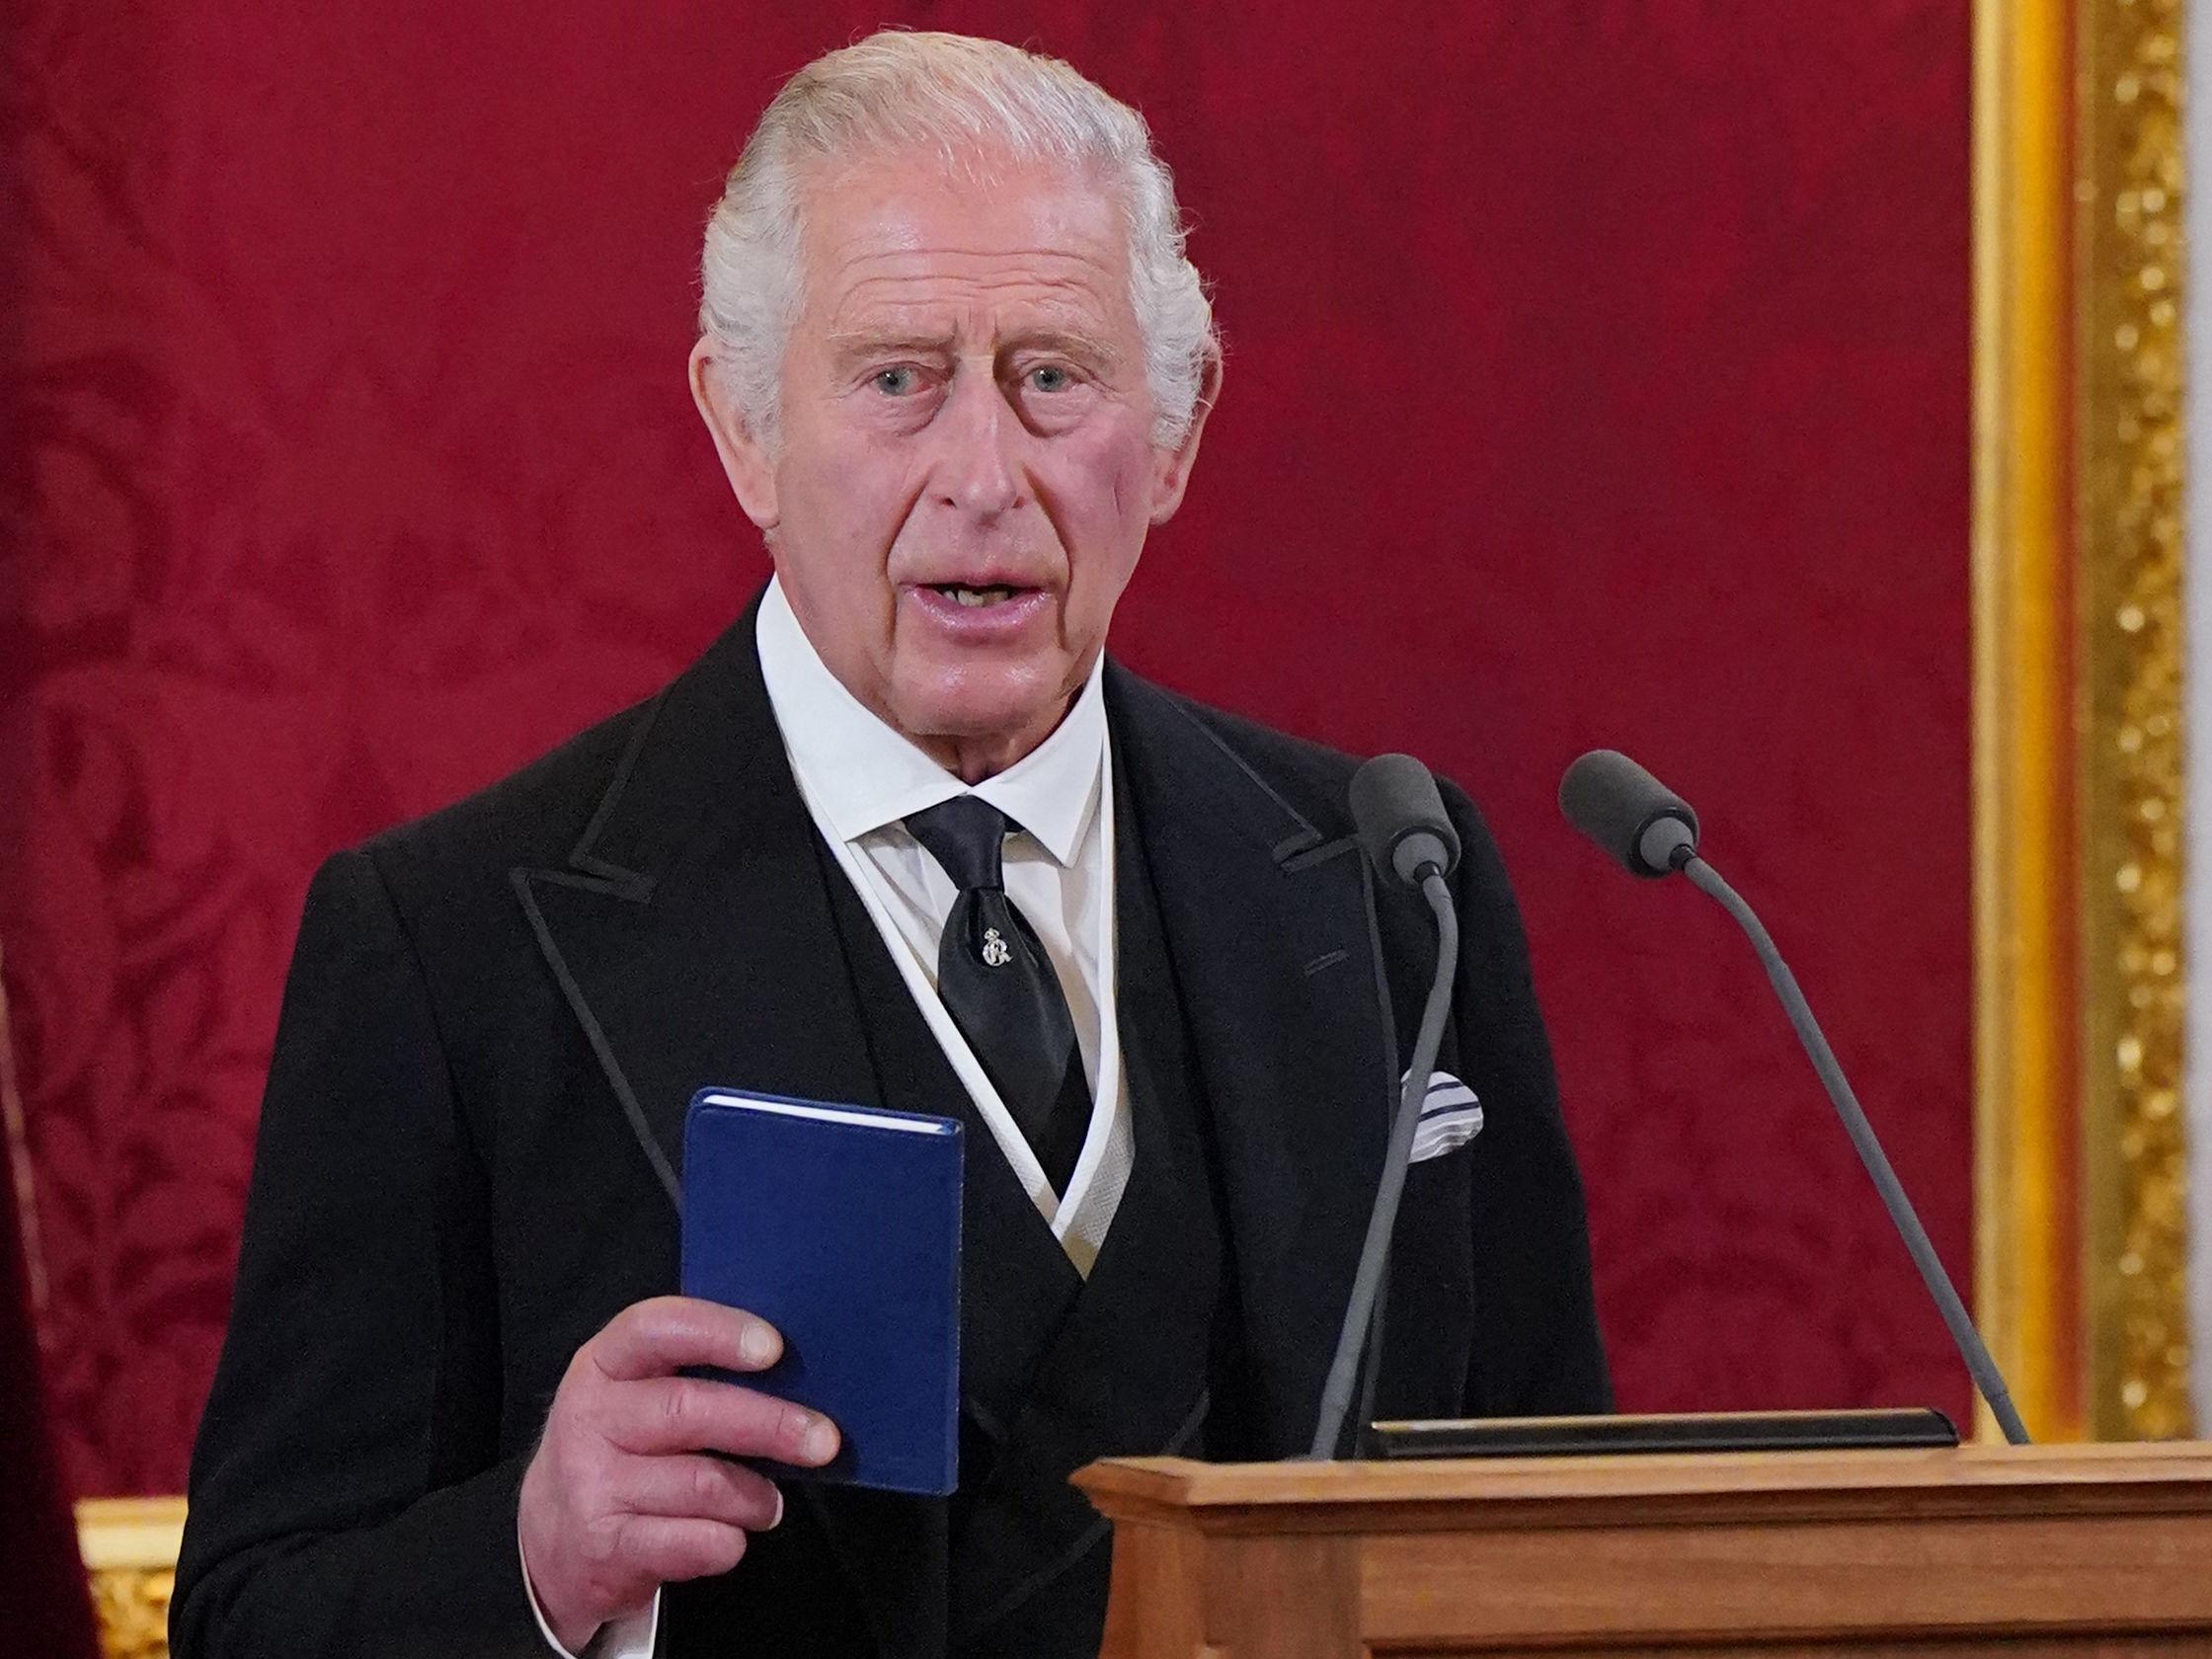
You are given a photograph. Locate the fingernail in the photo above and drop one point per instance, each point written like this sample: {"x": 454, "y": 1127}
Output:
{"x": 757, "y": 1345}
{"x": 778, "y": 1518}
{"x": 821, "y": 1441}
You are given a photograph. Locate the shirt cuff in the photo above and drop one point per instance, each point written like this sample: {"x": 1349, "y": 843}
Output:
{"x": 629, "y": 1638}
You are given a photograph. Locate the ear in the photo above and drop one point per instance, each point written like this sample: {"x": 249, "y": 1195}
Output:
{"x": 1171, "y": 468}
{"x": 744, "y": 458}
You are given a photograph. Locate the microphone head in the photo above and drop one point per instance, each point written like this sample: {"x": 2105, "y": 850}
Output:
{"x": 1402, "y": 820}
{"x": 1642, "y": 823}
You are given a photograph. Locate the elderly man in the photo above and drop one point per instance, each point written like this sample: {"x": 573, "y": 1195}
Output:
{"x": 956, "y": 366}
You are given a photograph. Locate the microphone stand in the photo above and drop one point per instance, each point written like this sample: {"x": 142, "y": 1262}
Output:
{"x": 1987, "y": 1377}
{"x": 1363, "y": 1315}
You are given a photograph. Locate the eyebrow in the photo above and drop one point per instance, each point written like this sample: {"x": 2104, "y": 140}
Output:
{"x": 849, "y": 348}
{"x": 1068, "y": 342}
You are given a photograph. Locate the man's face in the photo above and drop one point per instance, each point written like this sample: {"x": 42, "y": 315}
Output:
{"x": 966, "y": 471}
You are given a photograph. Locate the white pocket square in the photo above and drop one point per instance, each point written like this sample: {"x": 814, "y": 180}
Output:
{"x": 1451, "y": 1117}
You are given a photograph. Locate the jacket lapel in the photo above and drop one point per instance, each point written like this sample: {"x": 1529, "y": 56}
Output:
{"x": 690, "y": 929}
{"x": 1272, "y": 931}
{"x": 692, "y": 936}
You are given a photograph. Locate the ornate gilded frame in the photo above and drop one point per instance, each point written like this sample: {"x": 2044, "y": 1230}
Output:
{"x": 2081, "y": 1258}
{"x": 129, "y": 1546}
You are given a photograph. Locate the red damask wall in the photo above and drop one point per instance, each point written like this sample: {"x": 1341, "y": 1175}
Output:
{"x": 1598, "y": 371}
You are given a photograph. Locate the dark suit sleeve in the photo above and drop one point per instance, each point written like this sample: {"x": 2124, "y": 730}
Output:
{"x": 1542, "y": 1353}
{"x": 343, "y": 1495}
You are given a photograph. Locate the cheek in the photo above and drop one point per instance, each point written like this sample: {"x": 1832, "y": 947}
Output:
{"x": 1110, "y": 499}
{"x": 848, "y": 499}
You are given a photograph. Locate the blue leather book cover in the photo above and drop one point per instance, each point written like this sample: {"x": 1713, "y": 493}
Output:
{"x": 840, "y": 1226}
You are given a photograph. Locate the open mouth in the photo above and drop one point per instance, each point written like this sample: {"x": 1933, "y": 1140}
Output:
{"x": 976, "y": 599}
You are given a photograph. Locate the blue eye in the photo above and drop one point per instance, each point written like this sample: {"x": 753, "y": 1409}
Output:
{"x": 897, "y": 382}
{"x": 1050, "y": 379}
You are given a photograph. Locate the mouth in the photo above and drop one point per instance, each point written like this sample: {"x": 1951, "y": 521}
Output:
{"x": 977, "y": 597}
{"x": 981, "y": 613}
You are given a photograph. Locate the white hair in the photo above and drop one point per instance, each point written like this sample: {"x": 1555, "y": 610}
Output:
{"x": 959, "y": 96}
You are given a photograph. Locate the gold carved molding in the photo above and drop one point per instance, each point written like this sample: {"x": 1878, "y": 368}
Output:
{"x": 2025, "y": 1244}
{"x": 2131, "y": 443}
{"x": 129, "y": 1546}
{"x": 2077, "y": 567}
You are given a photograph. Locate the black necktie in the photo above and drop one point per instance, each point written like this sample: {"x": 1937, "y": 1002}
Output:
{"x": 1000, "y": 990}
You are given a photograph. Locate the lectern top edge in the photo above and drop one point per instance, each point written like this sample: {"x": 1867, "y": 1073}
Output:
{"x": 1124, "y": 1484}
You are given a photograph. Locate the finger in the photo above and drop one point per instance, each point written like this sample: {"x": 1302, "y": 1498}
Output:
{"x": 698, "y": 1414}
{"x": 700, "y": 1489}
{"x": 668, "y": 1549}
{"x": 657, "y": 1337}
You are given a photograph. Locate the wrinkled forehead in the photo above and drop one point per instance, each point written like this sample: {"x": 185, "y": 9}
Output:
{"x": 913, "y": 239}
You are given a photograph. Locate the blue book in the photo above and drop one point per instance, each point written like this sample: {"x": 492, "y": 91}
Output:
{"x": 840, "y": 1226}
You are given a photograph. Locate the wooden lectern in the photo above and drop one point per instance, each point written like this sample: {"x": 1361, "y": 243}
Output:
{"x": 2029, "y": 1552}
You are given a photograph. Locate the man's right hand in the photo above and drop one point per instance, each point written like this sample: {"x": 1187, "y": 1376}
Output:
{"x": 622, "y": 1495}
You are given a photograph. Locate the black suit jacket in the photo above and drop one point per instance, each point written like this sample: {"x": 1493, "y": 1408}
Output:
{"x": 469, "y": 1148}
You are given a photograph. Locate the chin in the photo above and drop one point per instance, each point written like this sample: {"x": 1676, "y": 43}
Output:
{"x": 976, "y": 707}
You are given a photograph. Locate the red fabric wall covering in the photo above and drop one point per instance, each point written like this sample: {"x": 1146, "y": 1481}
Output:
{"x": 1598, "y": 371}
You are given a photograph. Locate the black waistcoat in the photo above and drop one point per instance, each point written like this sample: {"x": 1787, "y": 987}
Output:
{"x": 1055, "y": 1370}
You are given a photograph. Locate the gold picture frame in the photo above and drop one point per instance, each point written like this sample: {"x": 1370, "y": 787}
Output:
{"x": 129, "y": 1546}
{"x": 2077, "y": 555}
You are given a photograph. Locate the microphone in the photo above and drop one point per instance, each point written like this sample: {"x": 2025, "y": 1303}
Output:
{"x": 1643, "y": 824}
{"x": 1401, "y": 819}
{"x": 1652, "y": 831}
{"x": 1409, "y": 839}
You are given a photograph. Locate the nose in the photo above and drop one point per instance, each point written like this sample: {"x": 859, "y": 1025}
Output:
{"x": 980, "y": 471}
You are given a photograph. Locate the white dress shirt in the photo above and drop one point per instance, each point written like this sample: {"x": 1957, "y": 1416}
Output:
{"x": 859, "y": 779}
